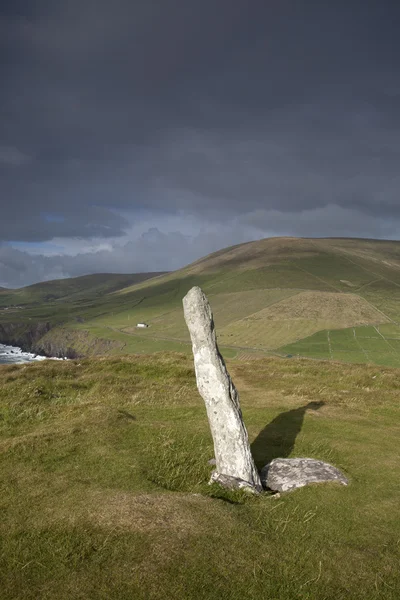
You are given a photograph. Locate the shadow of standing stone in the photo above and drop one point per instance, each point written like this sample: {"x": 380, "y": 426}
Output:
{"x": 278, "y": 438}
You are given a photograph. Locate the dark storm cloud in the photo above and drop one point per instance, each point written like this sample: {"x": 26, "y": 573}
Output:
{"x": 224, "y": 109}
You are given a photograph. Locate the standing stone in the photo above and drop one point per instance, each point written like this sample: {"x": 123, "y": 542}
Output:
{"x": 235, "y": 467}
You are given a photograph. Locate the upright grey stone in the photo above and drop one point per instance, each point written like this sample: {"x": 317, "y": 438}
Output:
{"x": 234, "y": 463}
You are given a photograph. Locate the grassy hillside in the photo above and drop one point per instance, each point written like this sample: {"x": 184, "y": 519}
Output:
{"x": 72, "y": 289}
{"x": 319, "y": 298}
{"x": 103, "y": 471}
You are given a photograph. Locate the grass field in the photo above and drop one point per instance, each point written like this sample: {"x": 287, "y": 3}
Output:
{"x": 378, "y": 345}
{"x": 104, "y": 494}
{"x": 282, "y": 295}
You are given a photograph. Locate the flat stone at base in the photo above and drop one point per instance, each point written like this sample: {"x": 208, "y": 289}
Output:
{"x": 232, "y": 483}
{"x": 286, "y": 474}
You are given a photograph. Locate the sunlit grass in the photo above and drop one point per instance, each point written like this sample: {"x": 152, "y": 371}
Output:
{"x": 104, "y": 483}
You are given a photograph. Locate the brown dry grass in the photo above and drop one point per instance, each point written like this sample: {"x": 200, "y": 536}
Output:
{"x": 129, "y": 511}
{"x": 297, "y": 317}
{"x": 256, "y": 254}
{"x": 340, "y": 310}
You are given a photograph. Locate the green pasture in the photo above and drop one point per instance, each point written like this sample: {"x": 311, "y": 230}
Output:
{"x": 104, "y": 483}
{"x": 378, "y": 345}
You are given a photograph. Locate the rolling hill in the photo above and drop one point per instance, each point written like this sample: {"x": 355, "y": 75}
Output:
{"x": 319, "y": 298}
{"x": 71, "y": 289}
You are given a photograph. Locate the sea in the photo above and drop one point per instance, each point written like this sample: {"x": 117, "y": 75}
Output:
{"x": 11, "y": 355}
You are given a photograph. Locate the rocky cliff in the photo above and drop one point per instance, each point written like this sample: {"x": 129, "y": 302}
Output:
{"x": 41, "y": 338}
{"x": 23, "y": 335}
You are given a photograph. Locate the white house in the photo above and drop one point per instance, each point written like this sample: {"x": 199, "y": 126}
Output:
{"x": 141, "y": 325}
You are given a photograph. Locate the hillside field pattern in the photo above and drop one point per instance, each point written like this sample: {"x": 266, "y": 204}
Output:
{"x": 326, "y": 299}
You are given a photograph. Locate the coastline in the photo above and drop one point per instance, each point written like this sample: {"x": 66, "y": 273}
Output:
{"x": 14, "y": 355}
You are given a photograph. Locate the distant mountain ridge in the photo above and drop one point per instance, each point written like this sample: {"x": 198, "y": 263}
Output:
{"x": 76, "y": 287}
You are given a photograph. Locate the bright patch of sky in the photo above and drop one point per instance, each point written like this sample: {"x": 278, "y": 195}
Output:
{"x": 53, "y": 218}
{"x": 43, "y": 248}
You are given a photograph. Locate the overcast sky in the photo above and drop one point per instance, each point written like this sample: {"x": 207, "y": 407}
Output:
{"x": 139, "y": 135}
